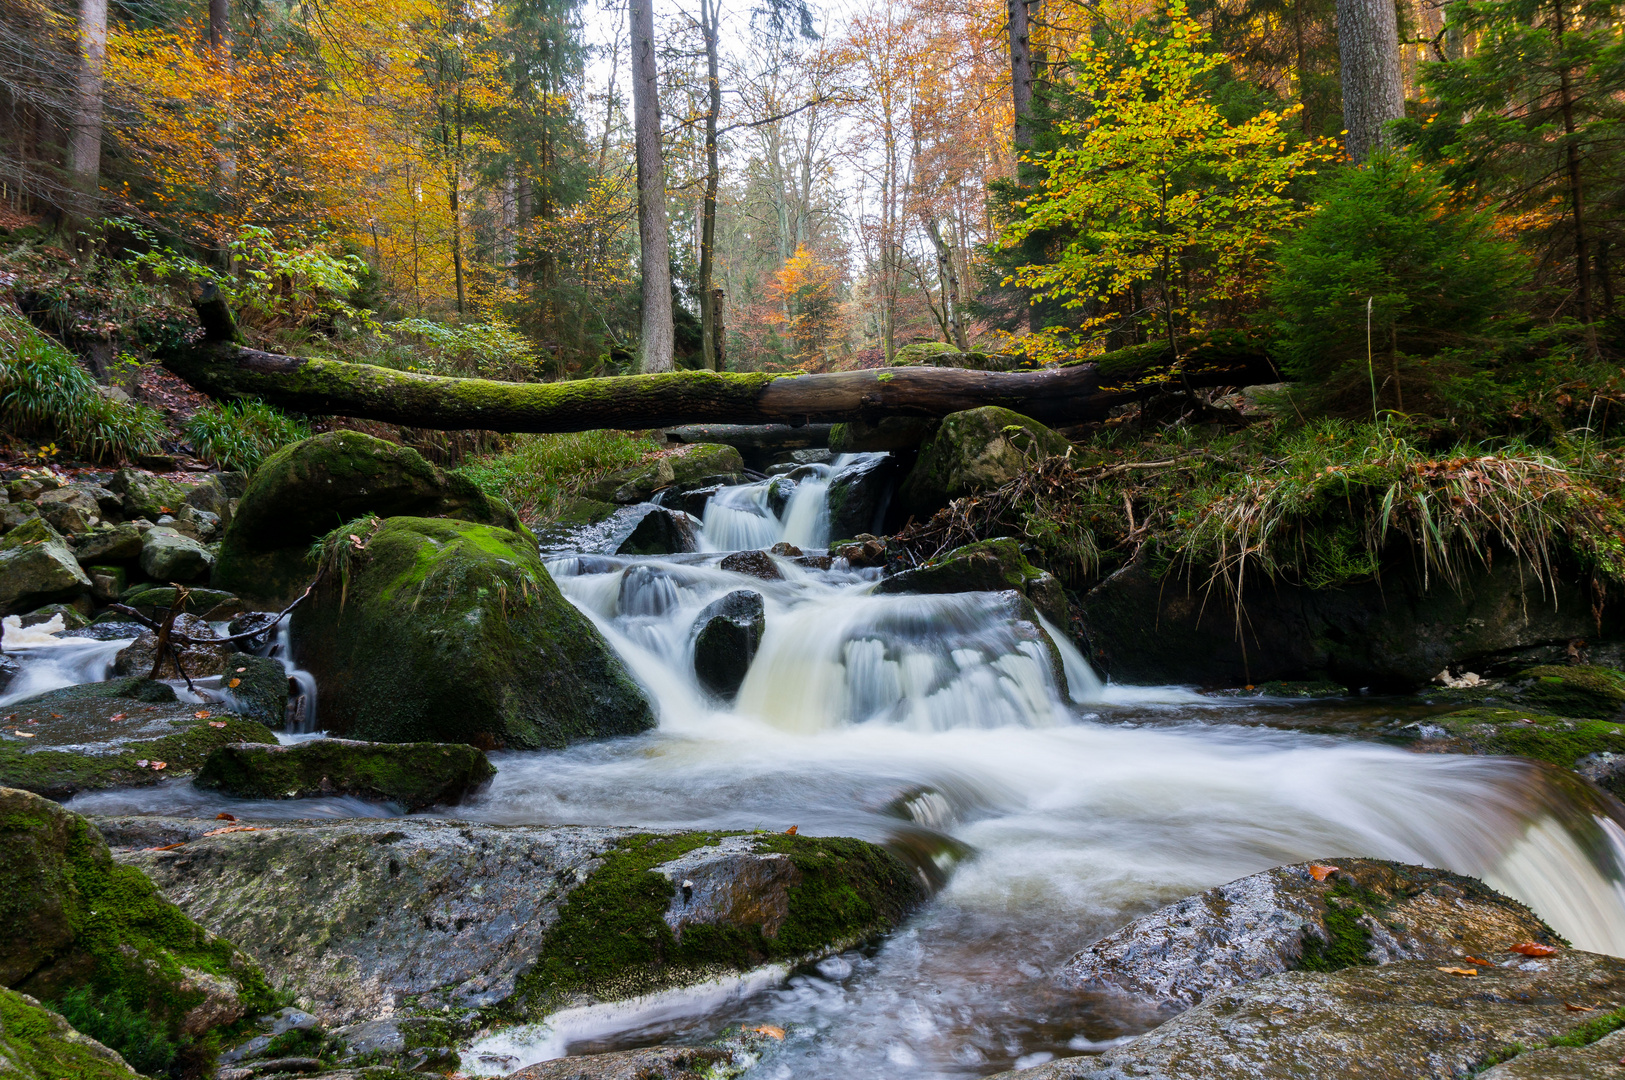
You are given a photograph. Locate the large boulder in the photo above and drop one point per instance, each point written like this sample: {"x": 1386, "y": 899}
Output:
{"x": 415, "y": 775}
{"x": 369, "y": 919}
{"x": 726, "y": 636}
{"x": 975, "y": 450}
{"x": 169, "y": 555}
{"x": 257, "y": 688}
{"x": 304, "y": 491}
{"x": 95, "y": 941}
{"x": 142, "y": 494}
{"x": 36, "y": 568}
{"x": 658, "y": 531}
{"x": 985, "y": 566}
{"x": 119, "y": 543}
{"x": 37, "y": 1044}
{"x": 1412, "y": 1020}
{"x": 120, "y": 733}
{"x": 1309, "y": 916}
{"x": 859, "y": 495}
{"x": 449, "y": 631}
{"x": 1393, "y": 633}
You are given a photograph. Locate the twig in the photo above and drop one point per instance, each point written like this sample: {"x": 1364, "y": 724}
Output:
{"x": 233, "y": 639}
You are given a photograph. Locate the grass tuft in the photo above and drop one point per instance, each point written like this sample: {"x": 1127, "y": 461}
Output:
{"x": 238, "y": 435}
{"x": 542, "y": 472}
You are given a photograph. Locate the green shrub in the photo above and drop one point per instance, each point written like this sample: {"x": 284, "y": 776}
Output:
{"x": 541, "y": 471}
{"x": 241, "y": 434}
{"x": 1435, "y": 276}
{"x": 46, "y": 394}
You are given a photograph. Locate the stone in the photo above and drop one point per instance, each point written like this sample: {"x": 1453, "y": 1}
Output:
{"x": 218, "y": 495}
{"x": 450, "y": 631}
{"x": 649, "y": 1063}
{"x": 142, "y": 494}
{"x": 891, "y": 433}
{"x": 1391, "y": 634}
{"x": 72, "y": 618}
{"x": 1593, "y": 748}
{"x": 14, "y": 514}
{"x": 865, "y": 551}
{"x": 571, "y": 528}
{"x": 107, "y": 583}
{"x": 70, "y": 510}
{"x": 37, "y": 568}
{"x": 660, "y": 532}
{"x": 369, "y": 919}
{"x": 31, "y": 487}
{"x": 698, "y": 465}
{"x": 197, "y": 660}
{"x": 78, "y": 921}
{"x": 119, "y": 543}
{"x": 755, "y": 563}
{"x": 1407, "y": 1020}
{"x": 1581, "y": 690}
{"x": 153, "y": 601}
{"x": 859, "y": 495}
{"x": 304, "y": 491}
{"x": 726, "y": 636}
{"x": 166, "y": 555}
{"x": 985, "y": 566}
{"x": 975, "y": 450}
{"x": 257, "y": 688}
{"x": 415, "y": 775}
{"x": 1601, "y": 1060}
{"x": 112, "y": 734}
{"x": 9, "y": 670}
{"x": 1367, "y": 911}
{"x": 38, "y": 1044}
{"x": 203, "y": 525}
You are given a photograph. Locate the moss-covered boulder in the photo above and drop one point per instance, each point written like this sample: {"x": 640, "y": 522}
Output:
{"x": 167, "y": 555}
{"x": 985, "y": 566}
{"x": 415, "y": 775}
{"x": 306, "y": 490}
{"x": 698, "y": 465}
{"x": 96, "y": 942}
{"x": 120, "y": 733}
{"x": 257, "y": 689}
{"x": 197, "y": 660}
{"x": 372, "y": 918}
{"x": 1594, "y": 748}
{"x": 1577, "y": 690}
{"x": 119, "y": 543}
{"x": 153, "y": 601}
{"x": 973, "y": 451}
{"x": 449, "y": 631}
{"x": 144, "y": 495}
{"x": 36, "y": 567}
{"x": 37, "y": 1044}
{"x": 1357, "y": 912}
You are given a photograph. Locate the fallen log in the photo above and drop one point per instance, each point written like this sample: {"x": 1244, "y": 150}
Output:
{"x": 221, "y": 367}
{"x": 761, "y": 437}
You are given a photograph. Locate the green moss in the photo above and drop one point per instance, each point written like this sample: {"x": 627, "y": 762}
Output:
{"x": 1593, "y": 1030}
{"x": 1556, "y": 739}
{"x": 1581, "y": 690}
{"x": 416, "y": 775}
{"x": 612, "y": 941}
{"x": 36, "y": 1045}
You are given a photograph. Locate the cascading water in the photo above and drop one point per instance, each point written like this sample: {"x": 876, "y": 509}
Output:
{"x": 49, "y": 660}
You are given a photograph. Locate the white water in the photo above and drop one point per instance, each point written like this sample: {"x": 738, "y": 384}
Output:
{"x": 51, "y": 659}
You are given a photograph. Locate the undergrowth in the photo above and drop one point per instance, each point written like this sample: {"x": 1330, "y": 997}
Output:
{"x": 539, "y": 473}
{"x": 239, "y": 435}
{"x": 46, "y": 394}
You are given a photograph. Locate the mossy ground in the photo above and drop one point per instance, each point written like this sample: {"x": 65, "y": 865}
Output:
{"x": 1560, "y": 740}
{"x": 612, "y": 942}
{"x": 1347, "y": 943}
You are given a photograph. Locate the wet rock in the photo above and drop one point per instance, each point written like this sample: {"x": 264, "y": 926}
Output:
{"x": 218, "y": 495}
{"x": 785, "y": 550}
{"x": 154, "y": 601}
{"x": 197, "y": 660}
{"x": 985, "y": 566}
{"x": 578, "y": 514}
{"x": 888, "y": 433}
{"x": 450, "y": 631}
{"x": 1601, "y": 1060}
{"x": 973, "y": 451}
{"x": 107, "y": 583}
{"x": 9, "y": 670}
{"x": 166, "y": 555}
{"x": 1392, "y": 634}
{"x": 304, "y": 491}
{"x": 1366, "y": 912}
{"x": 660, "y": 532}
{"x": 755, "y": 563}
{"x": 859, "y": 496}
{"x": 1577, "y": 690}
{"x": 37, "y": 568}
{"x": 112, "y": 734}
{"x": 38, "y": 1044}
{"x": 142, "y": 494}
{"x": 374, "y": 919}
{"x": 15, "y": 514}
{"x": 198, "y": 524}
{"x": 256, "y": 688}
{"x": 30, "y": 488}
{"x": 70, "y": 510}
{"x": 119, "y": 543}
{"x": 727, "y": 634}
{"x": 79, "y": 921}
{"x": 415, "y": 775}
{"x": 1407, "y": 1020}
{"x": 699, "y": 465}
{"x": 1592, "y": 748}
{"x": 866, "y": 550}
{"x": 650, "y": 1063}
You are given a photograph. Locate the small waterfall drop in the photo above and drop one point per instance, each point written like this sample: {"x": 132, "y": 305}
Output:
{"x": 51, "y": 659}
{"x": 745, "y": 518}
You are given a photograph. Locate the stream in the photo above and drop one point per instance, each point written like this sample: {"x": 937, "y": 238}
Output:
{"x": 1052, "y": 814}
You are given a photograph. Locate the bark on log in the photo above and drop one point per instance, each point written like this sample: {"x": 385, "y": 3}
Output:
{"x": 754, "y": 436}
{"x": 1070, "y": 395}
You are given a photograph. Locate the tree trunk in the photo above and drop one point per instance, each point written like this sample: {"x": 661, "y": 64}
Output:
{"x": 948, "y": 270}
{"x": 1368, "y": 53}
{"x": 657, "y": 335}
{"x": 1021, "y": 73}
{"x": 710, "y": 16}
{"x": 1571, "y": 154}
{"x": 85, "y": 130}
{"x": 222, "y": 368}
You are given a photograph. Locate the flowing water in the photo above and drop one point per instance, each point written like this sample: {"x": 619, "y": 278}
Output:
{"x": 1052, "y": 809}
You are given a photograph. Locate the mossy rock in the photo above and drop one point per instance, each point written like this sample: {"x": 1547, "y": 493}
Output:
{"x": 700, "y": 464}
{"x": 1560, "y": 740}
{"x": 37, "y": 1044}
{"x": 149, "y": 599}
{"x": 615, "y": 936}
{"x": 258, "y": 689}
{"x": 304, "y": 491}
{"x": 450, "y": 631}
{"x": 976, "y": 450}
{"x": 36, "y": 568}
{"x": 1580, "y": 690}
{"x": 147, "y": 496}
{"x": 415, "y": 775}
{"x": 74, "y": 744}
{"x": 985, "y": 566}
{"x": 96, "y": 941}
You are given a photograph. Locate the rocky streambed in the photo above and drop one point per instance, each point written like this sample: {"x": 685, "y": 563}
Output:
{"x": 704, "y": 781}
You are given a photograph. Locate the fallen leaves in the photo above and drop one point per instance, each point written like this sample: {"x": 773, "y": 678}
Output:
{"x": 24, "y": 734}
{"x": 116, "y": 717}
{"x": 1571, "y": 1007}
{"x": 143, "y": 763}
{"x": 791, "y": 831}
{"x": 230, "y": 829}
{"x": 772, "y": 1031}
{"x": 1530, "y": 948}
{"x": 217, "y": 723}
{"x": 1320, "y": 872}
{"x": 1480, "y": 963}
{"x": 233, "y": 684}
{"x": 1459, "y": 971}
{"x": 202, "y": 714}
{"x": 223, "y": 816}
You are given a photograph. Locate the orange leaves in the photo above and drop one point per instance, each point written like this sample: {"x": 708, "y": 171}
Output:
{"x": 234, "y": 684}
{"x": 1464, "y": 971}
{"x": 791, "y": 831}
{"x": 1530, "y": 948}
{"x": 772, "y": 1031}
{"x": 217, "y": 723}
{"x": 1320, "y": 872}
